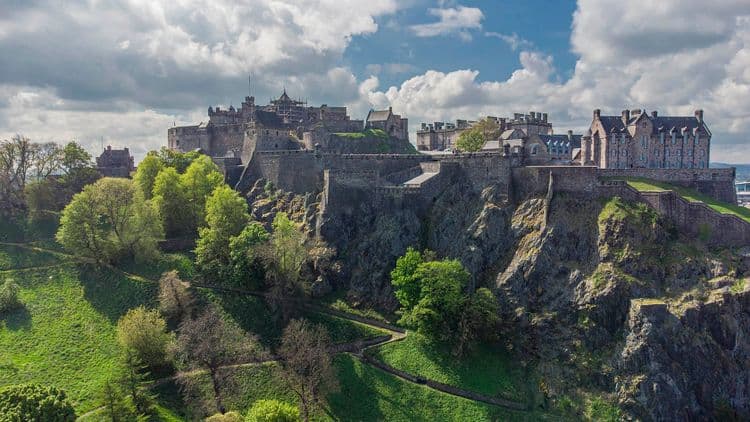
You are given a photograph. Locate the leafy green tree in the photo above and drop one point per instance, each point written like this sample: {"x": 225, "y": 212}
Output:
{"x": 440, "y": 298}
{"x": 144, "y": 333}
{"x": 470, "y": 140}
{"x": 403, "y": 277}
{"x": 288, "y": 253}
{"x": 272, "y": 411}
{"x": 488, "y": 127}
{"x": 199, "y": 181}
{"x": 226, "y": 215}
{"x": 176, "y": 159}
{"x": 145, "y": 174}
{"x": 75, "y": 158}
{"x": 479, "y": 320}
{"x": 170, "y": 201}
{"x": 114, "y": 403}
{"x": 9, "y": 296}
{"x": 246, "y": 265}
{"x": 110, "y": 220}
{"x": 33, "y": 402}
{"x": 135, "y": 383}
{"x": 225, "y": 417}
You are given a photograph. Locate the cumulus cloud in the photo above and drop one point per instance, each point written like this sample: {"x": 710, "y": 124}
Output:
{"x": 513, "y": 40}
{"x": 674, "y": 56}
{"x": 452, "y": 20}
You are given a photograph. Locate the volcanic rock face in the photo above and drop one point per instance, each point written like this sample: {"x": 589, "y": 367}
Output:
{"x": 599, "y": 295}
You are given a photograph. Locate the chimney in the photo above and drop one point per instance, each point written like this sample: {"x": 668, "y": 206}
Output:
{"x": 544, "y": 117}
{"x": 654, "y": 113}
{"x": 699, "y": 115}
{"x": 597, "y": 113}
{"x": 625, "y": 116}
{"x": 570, "y": 135}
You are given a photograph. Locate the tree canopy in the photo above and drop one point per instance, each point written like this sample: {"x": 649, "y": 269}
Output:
{"x": 33, "y": 402}
{"x": 109, "y": 220}
{"x": 470, "y": 140}
{"x": 145, "y": 174}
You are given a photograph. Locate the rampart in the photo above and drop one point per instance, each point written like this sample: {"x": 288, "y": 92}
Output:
{"x": 716, "y": 183}
{"x": 534, "y": 180}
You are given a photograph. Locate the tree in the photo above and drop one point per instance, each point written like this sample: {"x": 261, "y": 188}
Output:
{"x": 199, "y": 181}
{"x": 170, "y": 201}
{"x": 135, "y": 383}
{"x": 110, "y": 220}
{"x": 209, "y": 342}
{"x": 440, "y": 298}
{"x": 306, "y": 364}
{"x": 9, "y": 296}
{"x": 33, "y": 402}
{"x": 16, "y": 161}
{"x": 470, "y": 140}
{"x": 47, "y": 159}
{"x": 246, "y": 267}
{"x": 406, "y": 284}
{"x": 74, "y": 158}
{"x": 176, "y": 159}
{"x": 226, "y": 215}
{"x": 146, "y": 173}
{"x": 479, "y": 319}
{"x": 114, "y": 403}
{"x": 225, "y": 417}
{"x": 287, "y": 254}
{"x": 272, "y": 411}
{"x": 175, "y": 300}
{"x": 488, "y": 127}
{"x": 144, "y": 333}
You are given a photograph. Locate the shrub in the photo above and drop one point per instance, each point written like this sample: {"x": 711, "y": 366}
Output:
{"x": 33, "y": 402}
{"x": 272, "y": 411}
{"x": 225, "y": 417}
{"x": 9, "y": 296}
{"x": 144, "y": 332}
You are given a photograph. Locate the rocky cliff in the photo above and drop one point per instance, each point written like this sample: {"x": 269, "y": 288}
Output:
{"x": 597, "y": 295}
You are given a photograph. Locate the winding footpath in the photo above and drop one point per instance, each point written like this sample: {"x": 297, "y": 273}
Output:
{"x": 358, "y": 348}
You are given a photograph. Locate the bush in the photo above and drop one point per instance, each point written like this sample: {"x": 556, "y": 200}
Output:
{"x": 225, "y": 417}
{"x": 9, "y": 296}
{"x": 33, "y": 402}
{"x": 144, "y": 332}
{"x": 272, "y": 411}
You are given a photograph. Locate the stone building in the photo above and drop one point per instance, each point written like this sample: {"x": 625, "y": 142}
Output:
{"x": 228, "y": 130}
{"x": 392, "y": 124}
{"x": 636, "y": 139}
{"x": 115, "y": 162}
{"x": 439, "y": 136}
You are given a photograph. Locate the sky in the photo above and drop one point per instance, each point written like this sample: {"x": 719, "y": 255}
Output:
{"x": 120, "y": 73}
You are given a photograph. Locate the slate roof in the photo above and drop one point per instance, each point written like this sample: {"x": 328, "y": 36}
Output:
{"x": 563, "y": 140}
{"x": 378, "y": 115}
{"x": 665, "y": 123}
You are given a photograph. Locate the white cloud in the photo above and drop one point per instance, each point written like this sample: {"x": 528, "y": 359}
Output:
{"x": 452, "y": 20}
{"x": 513, "y": 40}
{"x": 674, "y": 56}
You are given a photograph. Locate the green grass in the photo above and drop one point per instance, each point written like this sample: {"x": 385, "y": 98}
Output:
{"x": 365, "y": 394}
{"x": 377, "y": 133}
{"x": 647, "y": 185}
{"x": 337, "y": 301}
{"x": 17, "y": 257}
{"x": 488, "y": 370}
{"x": 65, "y": 333}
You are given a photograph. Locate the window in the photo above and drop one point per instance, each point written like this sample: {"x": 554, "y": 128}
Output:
{"x": 661, "y": 137}
{"x": 622, "y": 139}
{"x": 674, "y": 138}
{"x": 533, "y": 150}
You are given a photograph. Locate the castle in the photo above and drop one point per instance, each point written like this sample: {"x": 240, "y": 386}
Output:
{"x": 320, "y": 152}
{"x": 115, "y": 162}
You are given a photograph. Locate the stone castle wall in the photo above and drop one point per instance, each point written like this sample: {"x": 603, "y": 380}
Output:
{"x": 716, "y": 183}
{"x": 534, "y": 180}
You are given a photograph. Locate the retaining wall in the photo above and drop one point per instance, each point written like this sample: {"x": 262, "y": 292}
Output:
{"x": 716, "y": 183}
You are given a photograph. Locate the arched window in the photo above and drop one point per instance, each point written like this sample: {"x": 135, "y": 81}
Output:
{"x": 533, "y": 150}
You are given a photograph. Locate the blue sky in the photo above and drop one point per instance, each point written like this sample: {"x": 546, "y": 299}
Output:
{"x": 546, "y": 24}
{"x": 126, "y": 70}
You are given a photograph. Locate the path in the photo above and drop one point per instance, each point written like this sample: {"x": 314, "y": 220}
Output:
{"x": 356, "y": 348}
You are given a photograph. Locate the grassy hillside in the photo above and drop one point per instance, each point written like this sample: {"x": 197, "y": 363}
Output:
{"x": 488, "y": 370}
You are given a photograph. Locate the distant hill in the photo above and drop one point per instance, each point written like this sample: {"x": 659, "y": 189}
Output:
{"x": 743, "y": 170}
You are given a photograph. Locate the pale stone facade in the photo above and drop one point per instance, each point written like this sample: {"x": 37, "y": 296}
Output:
{"x": 636, "y": 139}
{"x": 392, "y": 124}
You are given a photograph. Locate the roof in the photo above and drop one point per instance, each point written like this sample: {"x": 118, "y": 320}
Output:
{"x": 550, "y": 140}
{"x": 378, "y": 115}
{"x": 491, "y": 145}
{"x": 665, "y": 123}
{"x": 512, "y": 133}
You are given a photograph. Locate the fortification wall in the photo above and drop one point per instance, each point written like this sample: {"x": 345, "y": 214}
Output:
{"x": 298, "y": 171}
{"x": 695, "y": 219}
{"x": 483, "y": 169}
{"x": 534, "y": 180}
{"x": 716, "y": 183}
